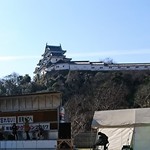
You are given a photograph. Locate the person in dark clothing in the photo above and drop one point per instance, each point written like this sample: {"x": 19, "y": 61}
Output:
{"x": 1, "y": 136}
{"x": 14, "y": 131}
{"x": 2, "y": 133}
{"x": 103, "y": 140}
{"x": 27, "y": 128}
{"x": 40, "y": 132}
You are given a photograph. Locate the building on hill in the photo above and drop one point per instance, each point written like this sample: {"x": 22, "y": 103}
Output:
{"x": 54, "y": 59}
{"x": 53, "y": 55}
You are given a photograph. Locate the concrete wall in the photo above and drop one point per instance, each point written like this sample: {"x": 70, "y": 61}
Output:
{"x": 85, "y": 140}
{"x": 28, "y": 144}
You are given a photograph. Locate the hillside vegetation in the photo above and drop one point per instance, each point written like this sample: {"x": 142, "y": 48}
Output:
{"x": 84, "y": 92}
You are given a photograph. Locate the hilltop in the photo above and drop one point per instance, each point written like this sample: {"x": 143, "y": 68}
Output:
{"x": 84, "y": 92}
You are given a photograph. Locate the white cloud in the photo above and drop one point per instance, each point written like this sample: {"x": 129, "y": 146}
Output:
{"x": 83, "y": 54}
{"x": 111, "y": 53}
{"x": 13, "y": 58}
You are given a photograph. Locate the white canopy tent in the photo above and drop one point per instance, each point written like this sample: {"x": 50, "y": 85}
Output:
{"x": 124, "y": 127}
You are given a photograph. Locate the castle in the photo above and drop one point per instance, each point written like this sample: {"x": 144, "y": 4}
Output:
{"x": 54, "y": 59}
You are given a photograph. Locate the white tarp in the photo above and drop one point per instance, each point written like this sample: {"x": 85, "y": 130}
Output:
{"x": 124, "y": 117}
{"x": 118, "y": 137}
{"x": 124, "y": 126}
{"x": 141, "y": 138}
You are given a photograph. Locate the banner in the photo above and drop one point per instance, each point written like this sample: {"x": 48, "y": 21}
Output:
{"x": 8, "y": 120}
{"x": 33, "y": 126}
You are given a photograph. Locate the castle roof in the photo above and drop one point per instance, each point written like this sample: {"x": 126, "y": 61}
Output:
{"x": 54, "y": 48}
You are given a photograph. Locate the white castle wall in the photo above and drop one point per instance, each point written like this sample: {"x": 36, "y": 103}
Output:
{"x": 62, "y": 66}
{"x": 80, "y": 67}
{"x": 54, "y": 60}
{"x": 100, "y": 67}
{"x": 86, "y": 65}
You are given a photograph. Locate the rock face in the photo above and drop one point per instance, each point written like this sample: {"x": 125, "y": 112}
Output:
{"x": 84, "y": 92}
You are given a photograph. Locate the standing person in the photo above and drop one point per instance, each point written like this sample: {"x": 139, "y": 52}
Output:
{"x": 27, "y": 128}
{"x": 14, "y": 131}
{"x": 103, "y": 141}
{"x": 40, "y": 132}
{"x": 1, "y": 133}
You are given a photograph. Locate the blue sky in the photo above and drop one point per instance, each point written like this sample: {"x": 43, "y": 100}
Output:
{"x": 88, "y": 29}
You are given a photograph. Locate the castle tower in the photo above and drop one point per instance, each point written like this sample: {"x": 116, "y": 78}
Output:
{"x": 51, "y": 56}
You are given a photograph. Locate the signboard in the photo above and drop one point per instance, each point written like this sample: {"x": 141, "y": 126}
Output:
{"x": 12, "y": 119}
{"x": 8, "y": 120}
{"x": 21, "y": 119}
{"x": 33, "y": 126}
